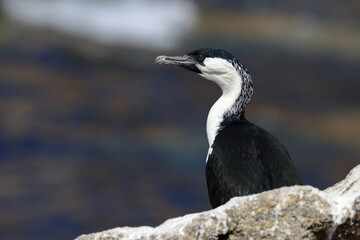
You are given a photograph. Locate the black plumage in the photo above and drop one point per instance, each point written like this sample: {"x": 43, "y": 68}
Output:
{"x": 245, "y": 160}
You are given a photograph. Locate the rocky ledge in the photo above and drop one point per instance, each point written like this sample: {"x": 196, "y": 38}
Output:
{"x": 298, "y": 212}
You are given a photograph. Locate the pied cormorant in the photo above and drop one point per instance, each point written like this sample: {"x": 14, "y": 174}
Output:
{"x": 243, "y": 158}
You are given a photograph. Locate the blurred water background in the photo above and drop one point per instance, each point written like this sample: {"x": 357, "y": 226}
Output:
{"x": 94, "y": 135}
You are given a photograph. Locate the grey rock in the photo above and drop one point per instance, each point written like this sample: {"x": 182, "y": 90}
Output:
{"x": 297, "y": 212}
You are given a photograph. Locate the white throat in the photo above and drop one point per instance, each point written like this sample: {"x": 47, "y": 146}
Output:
{"x": 225, "y": 75}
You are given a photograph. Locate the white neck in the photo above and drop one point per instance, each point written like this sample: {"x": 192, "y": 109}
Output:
{"x": 230, "y": 83}
{"x": 223, "y": 73}
{"x": 216, "y": 113}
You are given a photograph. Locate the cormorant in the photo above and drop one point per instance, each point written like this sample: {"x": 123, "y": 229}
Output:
{"x": 243, "y": 158}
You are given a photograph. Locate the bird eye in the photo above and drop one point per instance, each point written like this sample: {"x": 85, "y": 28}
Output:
{"x": 200, "y": 58}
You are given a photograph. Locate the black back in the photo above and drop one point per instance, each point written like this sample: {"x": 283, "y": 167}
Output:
{"x": 245, "y": 160}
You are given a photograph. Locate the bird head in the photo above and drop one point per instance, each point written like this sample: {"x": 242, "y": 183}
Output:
{"x": 232, "y": 77}
{"x": 212, "y": 64}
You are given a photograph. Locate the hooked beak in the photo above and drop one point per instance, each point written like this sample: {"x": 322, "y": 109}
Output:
{"x": 186, "y": 61}
{"x": 175, "y": 60}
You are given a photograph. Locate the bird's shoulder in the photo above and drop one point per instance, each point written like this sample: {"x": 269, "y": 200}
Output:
{"x": 245, "y": 145}
{"x": 243, "y": 130}
{"x": 236, "y": 129}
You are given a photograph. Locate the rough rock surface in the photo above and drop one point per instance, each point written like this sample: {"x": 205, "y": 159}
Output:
{"x": 298, "y": 212}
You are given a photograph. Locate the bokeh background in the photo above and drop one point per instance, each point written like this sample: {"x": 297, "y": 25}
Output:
{"x": 94, "y": 135}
